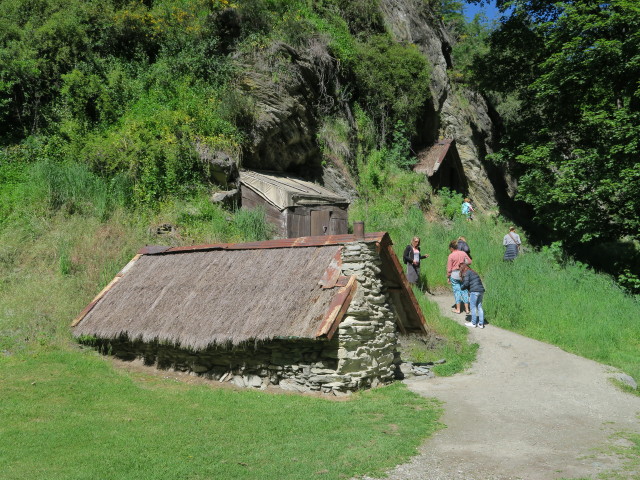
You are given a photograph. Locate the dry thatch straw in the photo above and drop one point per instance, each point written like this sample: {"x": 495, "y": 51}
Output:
{"x": 202, "y": 298}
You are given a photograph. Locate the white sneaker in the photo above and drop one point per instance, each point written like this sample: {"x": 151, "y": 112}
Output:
{"x": 469, "y": 324}
{"x": 481, "y": 326}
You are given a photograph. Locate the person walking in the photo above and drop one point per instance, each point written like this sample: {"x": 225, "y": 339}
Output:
{"x": 464, "y": 246}
{"x": 455, "y": 259}
{"x": 511, "y": 242}
{"x": 467, "y": 209}
{"x": 472, "y": 283}
{"x": 411, "y": 258}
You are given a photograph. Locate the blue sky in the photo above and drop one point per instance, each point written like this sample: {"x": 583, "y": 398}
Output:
{"x": 490, "y": 11}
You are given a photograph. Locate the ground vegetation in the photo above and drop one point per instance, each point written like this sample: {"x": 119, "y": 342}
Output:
{"x": 102, "y": 108}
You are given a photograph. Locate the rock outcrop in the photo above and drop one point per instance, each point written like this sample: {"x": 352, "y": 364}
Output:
{"x": 287, "y": 86}
{"x": 293, "y": 88}
{"x": 456, "y": 112}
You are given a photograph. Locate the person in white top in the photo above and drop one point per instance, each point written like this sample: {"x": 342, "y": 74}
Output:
{"x": 411, "y": 258}
{"x": 511, "y": 242}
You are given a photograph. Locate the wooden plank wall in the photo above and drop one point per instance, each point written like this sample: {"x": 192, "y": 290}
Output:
{"x": 296, "y": 221}
{"x": 301, "y": 222}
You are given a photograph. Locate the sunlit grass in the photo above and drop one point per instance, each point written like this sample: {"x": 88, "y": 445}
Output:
{"x": 70, "y": 415}
{"x": 565, "y": 304}
{"x": 569, "y": 306}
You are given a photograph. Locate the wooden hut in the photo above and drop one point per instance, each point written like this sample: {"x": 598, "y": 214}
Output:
{"x": 442, "y": 166}
{"x": 296, "y": 207}
{"x": 311, "y": 313}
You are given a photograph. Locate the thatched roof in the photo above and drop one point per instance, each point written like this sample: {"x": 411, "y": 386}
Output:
{"x": 232, "y": 293}
{"x": 429, "y": 160}
{"x": 285, "y": 191}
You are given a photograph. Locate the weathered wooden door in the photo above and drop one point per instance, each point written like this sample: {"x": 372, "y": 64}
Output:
{"x": 320, "y": 222}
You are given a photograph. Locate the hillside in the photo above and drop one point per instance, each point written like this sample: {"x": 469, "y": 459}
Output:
{"x": 119, "y": 121}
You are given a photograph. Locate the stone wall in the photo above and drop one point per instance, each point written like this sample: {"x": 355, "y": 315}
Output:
{"x": 363, "y": 352}
{"x": 368, "y": 350}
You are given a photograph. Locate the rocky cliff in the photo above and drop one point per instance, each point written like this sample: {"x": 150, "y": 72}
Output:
{"x": 293, "y": 88}
{"x": 455, "y": 111}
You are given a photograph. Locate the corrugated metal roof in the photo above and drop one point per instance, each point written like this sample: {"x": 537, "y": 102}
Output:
{"x": 316, "y": 241}
{"x": 429, "y": 160}
{"x": 285, "y": 191}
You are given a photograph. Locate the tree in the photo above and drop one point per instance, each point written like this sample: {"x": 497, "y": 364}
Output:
{"x": 573, "y": 68}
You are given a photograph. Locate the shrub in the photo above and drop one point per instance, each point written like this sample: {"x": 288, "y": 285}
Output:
{"x": 450, "y": 202}
{"x": 392, "y": 81}
{"x": 154, "y": 144}
{"x": 252, "y": 224}
{"x": 400, "y": 151}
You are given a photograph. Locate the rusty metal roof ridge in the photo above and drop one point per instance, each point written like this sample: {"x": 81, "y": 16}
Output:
{"x": 316, "y": 241}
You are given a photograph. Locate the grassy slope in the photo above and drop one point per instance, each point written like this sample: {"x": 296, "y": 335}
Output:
{"x": 571, "y": 307}
{"x": 67, "y": 413}
{"x": 563, "y": 303}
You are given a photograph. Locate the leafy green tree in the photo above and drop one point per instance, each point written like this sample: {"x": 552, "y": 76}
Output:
{"x": 392, "y": 81}
{"x": 573, "y": 68}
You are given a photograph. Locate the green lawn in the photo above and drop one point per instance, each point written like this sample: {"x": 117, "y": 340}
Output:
{"x": 71, "y": 415}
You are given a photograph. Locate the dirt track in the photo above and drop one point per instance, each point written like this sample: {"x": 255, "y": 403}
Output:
{"x": 525, "y": 410}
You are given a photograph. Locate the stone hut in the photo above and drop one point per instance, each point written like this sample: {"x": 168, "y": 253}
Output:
{"x": 442, "y": 165}
{"x": 296, "y": 207}
{"x": 307, "y": 314}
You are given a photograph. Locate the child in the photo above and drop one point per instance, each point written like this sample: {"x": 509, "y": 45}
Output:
{"x": 471, "y": 281}
{"x": 467, "y": 209}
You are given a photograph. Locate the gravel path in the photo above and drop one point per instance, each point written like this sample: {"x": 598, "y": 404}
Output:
{"x": 525, "y": 410}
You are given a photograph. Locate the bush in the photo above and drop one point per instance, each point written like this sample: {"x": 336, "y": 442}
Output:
{"x": 392, "y": 81}
{"x": 450, "y": 203}
{"x": 252, "y": 224}
{"x": 154, "y": 144}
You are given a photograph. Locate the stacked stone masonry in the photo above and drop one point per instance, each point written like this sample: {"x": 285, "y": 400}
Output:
{"x": 363, "y": 352}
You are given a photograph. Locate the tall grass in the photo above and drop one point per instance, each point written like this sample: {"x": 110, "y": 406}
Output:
{"x": 206, "y": 222}
{"x": 540, "y": 295}
{"x": 484, "y": 235}
{"x": 74, "y": 189}
{"x": 569, "y": 306}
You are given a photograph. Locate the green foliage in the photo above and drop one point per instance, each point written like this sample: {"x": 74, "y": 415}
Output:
{"x": 39, "y": 41}
{"x": 571, "y": 70}
{"x": 334, "y": 139}
{"x": 155, "y": 142}
{"x": 206, "y": 222}
{"x": 70, "y": 188}
{"x": 363, "y": 16}
{"x": 127, "y": 88}
{"x": 449, "y": 202}
{"x": 13, "y": 178}
{"x": 471, "y": 43}
{"x": 629, "y": 281}
{"x": 392, "y": 82}
{"x": 599, "y": 326}
{"x": 253, "y": 224}
{"x": 387, "y": 189}
{"x": 400, "y": 153}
